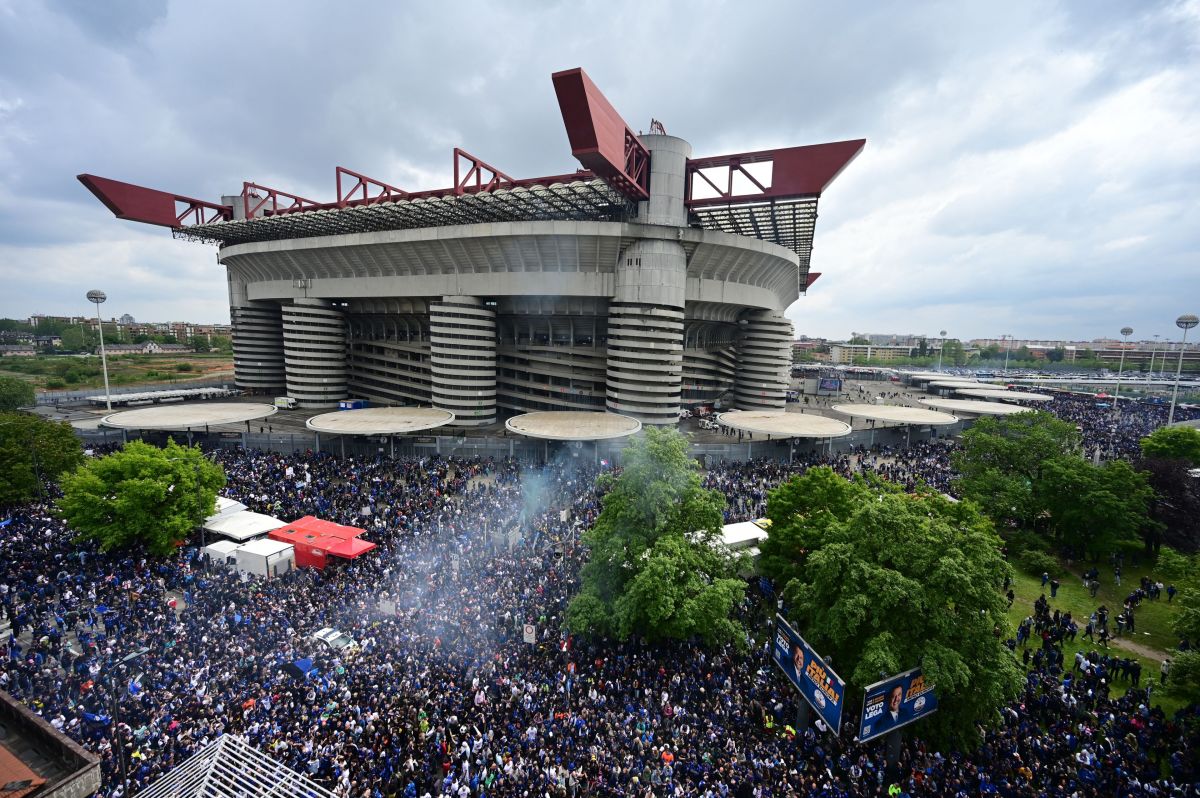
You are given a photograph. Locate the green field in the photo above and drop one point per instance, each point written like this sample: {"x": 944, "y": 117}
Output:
{"x": 71, "y": 372}
{"x": 1151, "y": 642}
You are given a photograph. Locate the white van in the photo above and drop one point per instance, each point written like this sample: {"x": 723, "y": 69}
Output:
{"x": 285, "y": 403}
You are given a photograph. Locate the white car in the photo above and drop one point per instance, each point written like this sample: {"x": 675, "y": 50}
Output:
{"x": 335, "y": 640}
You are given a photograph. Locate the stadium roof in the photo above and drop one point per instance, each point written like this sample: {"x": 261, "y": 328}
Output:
{"x": 769, "y": 195}
{"x": 230, "y": 766}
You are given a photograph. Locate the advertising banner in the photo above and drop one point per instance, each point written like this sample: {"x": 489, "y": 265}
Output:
{"x": 896, "y": 702}
{"x": 816, "y": 681}
{"x": 830, "y": 384}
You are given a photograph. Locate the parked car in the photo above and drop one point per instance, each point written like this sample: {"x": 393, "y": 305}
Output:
{"x": 333, "y": 639}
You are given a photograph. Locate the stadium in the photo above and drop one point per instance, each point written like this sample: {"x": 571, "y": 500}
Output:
{"x": 645, "y": 281}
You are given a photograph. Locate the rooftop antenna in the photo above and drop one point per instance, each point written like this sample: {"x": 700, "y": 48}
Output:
{"x": 656, "y": 128}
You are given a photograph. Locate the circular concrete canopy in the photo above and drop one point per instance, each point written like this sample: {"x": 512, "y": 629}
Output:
{"x": 784, "y": 425}
{"x": 896, "y": 414}
{"x": 1000, "y": 393}
{"x": 379, "y": 420}
{"x": 976, "y": 407}
{"x": 182, "y": 416}
{"x": 573, "y": 425}
{"x": 956, "y": 384}
{"x": 928, "y": 375}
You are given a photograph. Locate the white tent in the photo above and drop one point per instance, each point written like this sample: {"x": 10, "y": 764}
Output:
{"x": 220, "y": 551}
{"x": 225, "y": 506}
{"x": 242, "y": 525}
{"x": 266, "y": 557}
{"x": 743, "y": 535}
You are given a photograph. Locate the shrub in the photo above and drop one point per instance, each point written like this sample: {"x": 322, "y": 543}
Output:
{"x": 1037, "y": 562}
{"x": 1025, "y": 540}
{"x": 55, "y": 384}
{"x": 183, "y": 366}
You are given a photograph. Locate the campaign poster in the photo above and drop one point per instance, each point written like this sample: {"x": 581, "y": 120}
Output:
{"x": 816, "y": 681}
{"x": 830, "y": 384}
{"x": 896, "y": 702}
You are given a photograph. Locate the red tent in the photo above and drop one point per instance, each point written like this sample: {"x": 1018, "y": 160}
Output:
{"x": 316, "y": 540}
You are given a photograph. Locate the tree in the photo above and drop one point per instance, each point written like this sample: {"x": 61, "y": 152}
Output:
{"x": 33, "y": 449}
{"x": 657, "y": 569}
{"x": 1001, "y": 460}
{"x": 1184, "y": 572}
{"x": 1056, "y": 355}
{"x": 858, "y": 340}
{"x": 141, "y": 495}
{"x": 1091, "y": 508}
{"x": 222, "y": 344}
{"x": 15, "y": 393}
{"x": 953, "y": 352}
{"x": 881, "y": 581}
{"x": 1173, "y": 443}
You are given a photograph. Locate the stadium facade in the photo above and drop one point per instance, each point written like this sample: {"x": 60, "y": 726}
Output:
{"x": 646, "y": 281}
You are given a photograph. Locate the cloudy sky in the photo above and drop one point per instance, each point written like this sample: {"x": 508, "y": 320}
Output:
{"x": 1031, "y": 168}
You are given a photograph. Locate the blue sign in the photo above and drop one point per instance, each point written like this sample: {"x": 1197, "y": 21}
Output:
{"x": 816, "y": 681}
{"x": 829, "y": 384}
{"x": 896, "y": 702}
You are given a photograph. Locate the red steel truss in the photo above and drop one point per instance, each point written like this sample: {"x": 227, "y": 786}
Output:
{"x": 496, "y": 180}
{"x": 599, "y": 137}
{"x": 795, "y": 172}
{"x": 372, "y": 190}
{"x": 149, "y": 206}
{"x": 255, "y": 198}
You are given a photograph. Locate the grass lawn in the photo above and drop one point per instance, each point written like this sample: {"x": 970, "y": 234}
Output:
{"x": 70, "y": 372}
{"x": 1153, "y": 638}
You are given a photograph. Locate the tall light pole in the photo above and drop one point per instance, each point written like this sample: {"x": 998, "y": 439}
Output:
{"x": 98, "y": 297}
{"x": 1185, "y": 322}
{"x": 940, "y": 348}
{"x": 1125, "y": 333}
{"x": 1007, "y": 349}
{"x": 1153, "y": 352}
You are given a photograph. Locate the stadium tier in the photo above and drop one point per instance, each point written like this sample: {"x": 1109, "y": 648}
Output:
{"x": 645, "y": 281}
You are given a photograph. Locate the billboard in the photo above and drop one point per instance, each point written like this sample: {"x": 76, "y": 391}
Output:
{"x": 895, "y": 702}
{"x": 816, "y": 681}
{"x": 832, "y": 384}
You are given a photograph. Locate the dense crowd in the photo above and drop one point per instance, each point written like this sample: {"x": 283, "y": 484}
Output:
{"x": 146, "y": 661}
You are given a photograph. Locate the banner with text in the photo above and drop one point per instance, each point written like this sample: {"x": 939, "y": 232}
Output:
{"x": 816, "y": 681}
{"x": 896, "y": 702}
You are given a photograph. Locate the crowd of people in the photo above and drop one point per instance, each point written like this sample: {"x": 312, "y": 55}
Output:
{"x": 145, "y": 661}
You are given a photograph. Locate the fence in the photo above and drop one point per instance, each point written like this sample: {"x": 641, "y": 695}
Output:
{"x": 66, "y": 397}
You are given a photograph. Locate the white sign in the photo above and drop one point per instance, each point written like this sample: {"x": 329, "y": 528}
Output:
{"x": 530, "y": 633}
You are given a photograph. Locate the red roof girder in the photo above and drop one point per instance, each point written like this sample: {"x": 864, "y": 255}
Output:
{"x": 150, "y": 206}
{"x": 599, "y": 137}
{"x": 795, "y": 172}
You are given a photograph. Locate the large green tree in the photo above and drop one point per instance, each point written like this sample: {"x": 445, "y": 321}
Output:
{"x": 33, "y": 449}
{"x": 1184, "y": 572}
{"x": 657, "y": 569}
{"x": 882, "y": 581}
{"x": 15, "y": 393}
{"x": 1173, "y": 443}
{"x": 142, "y": 495}
{"x": 1001, "y": 461}
{"x": 1090, "y": 508}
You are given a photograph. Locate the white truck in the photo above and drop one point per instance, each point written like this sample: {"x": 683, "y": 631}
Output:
{"x": 285, "y": 403}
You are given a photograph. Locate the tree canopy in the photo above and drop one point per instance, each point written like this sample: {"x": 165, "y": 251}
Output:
{"x": 881, "y": 581}
{"x": 15, "y": 393}
{"x": 1090, "y": 508}
{"x": 1173, "y": 443}
{"x": 656, "y": 567}
{"x": 141, "y": 495}
{"x": 33, "y": 448}
{"x": 1001, "y": 461}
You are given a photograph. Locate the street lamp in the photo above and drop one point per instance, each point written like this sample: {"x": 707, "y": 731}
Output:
{"x": 1125, "y": 333}
{"x": 98, "y": 297}
{"x": 940, "y": 348}
{"x": 1153, "y": 352}
{"x": 1185, "y": 322}
{"x": 1007, "y": 349}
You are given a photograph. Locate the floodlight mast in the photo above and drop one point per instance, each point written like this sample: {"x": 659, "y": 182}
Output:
{"x": 97, "y": 296}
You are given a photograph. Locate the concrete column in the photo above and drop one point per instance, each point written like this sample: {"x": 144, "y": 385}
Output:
{"x": 764, "y": 361}
{"x": 314, "y": 350}
{"x": 462, "y": 335}
{"x": 257, "y": 342}
{"x": 668, "y": 181}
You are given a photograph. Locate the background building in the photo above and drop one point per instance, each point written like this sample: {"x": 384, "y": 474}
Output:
{"x": 647, "y": 280}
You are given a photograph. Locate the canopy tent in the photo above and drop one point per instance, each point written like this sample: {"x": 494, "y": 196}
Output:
{"x": 242, "y": 525}
{"x": 317, "y": 540}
